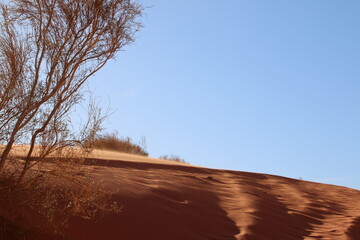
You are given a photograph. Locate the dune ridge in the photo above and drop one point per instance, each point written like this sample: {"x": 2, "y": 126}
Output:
{"x": 169, "y": 200}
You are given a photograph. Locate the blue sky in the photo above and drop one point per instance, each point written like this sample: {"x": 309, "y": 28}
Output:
{"x": 249, "y": 85}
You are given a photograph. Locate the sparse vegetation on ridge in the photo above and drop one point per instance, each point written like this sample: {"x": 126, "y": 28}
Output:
{"x": 174, "y": 158}
{"x": 120, "y": 144}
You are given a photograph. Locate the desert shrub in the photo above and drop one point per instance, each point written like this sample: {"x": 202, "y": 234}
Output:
{"x": 48, "y": 199}
{"x": 120, "y": 144}
{"x": 174, "y": 158}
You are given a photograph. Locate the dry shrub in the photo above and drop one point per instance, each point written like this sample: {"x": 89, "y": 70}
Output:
{"x": 120, "y": 144}
{"x": 47, "y": 199}
{"x": 174, "y": 158}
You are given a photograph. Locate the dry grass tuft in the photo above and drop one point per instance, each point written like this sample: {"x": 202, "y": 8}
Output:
{"x": 174, "y": 158}
{"x": 125, "y": 144}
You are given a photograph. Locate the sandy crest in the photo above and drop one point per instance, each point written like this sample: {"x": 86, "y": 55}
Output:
{"x": 21, "y": 150}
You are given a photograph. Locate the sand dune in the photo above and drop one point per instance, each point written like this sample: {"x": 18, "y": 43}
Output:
{"x": 167, "y": 200}
{"x": 163, "y": 201}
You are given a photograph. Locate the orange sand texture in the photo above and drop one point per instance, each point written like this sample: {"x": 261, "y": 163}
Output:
{"x": 163, "y": 200}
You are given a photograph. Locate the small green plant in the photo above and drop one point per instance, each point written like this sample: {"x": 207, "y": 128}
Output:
{"x": 174, "y": 158}
{"x": 121, "y": 144}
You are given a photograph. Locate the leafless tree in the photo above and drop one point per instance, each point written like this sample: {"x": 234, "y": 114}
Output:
{"x": 48, "y": 50}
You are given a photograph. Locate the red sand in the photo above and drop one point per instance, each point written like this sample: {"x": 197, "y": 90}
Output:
{"x": 183, "y": 202}
{"x": 170, "y": 202}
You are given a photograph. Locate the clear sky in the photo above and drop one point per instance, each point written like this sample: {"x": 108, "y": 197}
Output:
{"x": 249, "y": 85}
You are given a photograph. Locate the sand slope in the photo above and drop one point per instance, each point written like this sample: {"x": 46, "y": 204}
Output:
{"x": 164, "y": 201}
{"x": 172, "y": 201}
